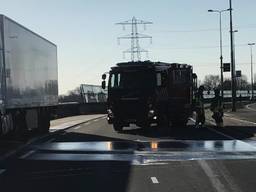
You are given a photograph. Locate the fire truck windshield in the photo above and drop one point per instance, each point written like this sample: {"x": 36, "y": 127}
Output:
{"x": 132, "y": 80}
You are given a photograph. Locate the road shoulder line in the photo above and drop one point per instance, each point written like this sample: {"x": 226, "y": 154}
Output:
{"x": 215, "y": 181}
{"x": 248, "y": 107}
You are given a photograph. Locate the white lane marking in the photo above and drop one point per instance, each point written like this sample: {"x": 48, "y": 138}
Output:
{"x": 232, "y": 138}
{"x": 192, "y": 119}
{"x": 50, "y": 140}
{"x": 154, "y": 180}
{"x": 87, "y": 123}
{"x": 216, "y": 183}
{"x": 95, "y": 120}
{"x": 244, "y": 121}
{"x": 248, "y": 107}
{"x": 77, "y": 127}
{"x": 27, "y": 154}
{"x": 220, "y": 133}
{"x": 2, "y": 171}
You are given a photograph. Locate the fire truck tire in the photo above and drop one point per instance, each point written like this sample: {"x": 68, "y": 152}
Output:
{"x": 163, "y": 122}
{"x": 179, "y": 122}
{"x": 145, "y": 125}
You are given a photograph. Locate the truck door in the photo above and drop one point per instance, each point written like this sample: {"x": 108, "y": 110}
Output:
{"x": 181, "y": 87}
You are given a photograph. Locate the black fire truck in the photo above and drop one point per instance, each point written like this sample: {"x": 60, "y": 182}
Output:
{"x": 145, "y": 92}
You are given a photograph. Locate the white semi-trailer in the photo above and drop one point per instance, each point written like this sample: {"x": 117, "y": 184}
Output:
{"x": 28, "y": 79}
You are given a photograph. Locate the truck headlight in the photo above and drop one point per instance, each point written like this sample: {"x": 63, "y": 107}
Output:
{"x": 151, "y": 113}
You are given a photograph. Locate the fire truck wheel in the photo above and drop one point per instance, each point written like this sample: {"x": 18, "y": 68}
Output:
{"x": 145, "y": 125}
{"x": 179, "y": 122}
{"x": 164, "y": 122}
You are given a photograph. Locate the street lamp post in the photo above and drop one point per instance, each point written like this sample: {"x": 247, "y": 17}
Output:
{"x": 234, "y": 59}
{"x": 233, "y": 76}
{"x": 221, "y": 55}
{"x": 234, "y": 46}
{"x": 251, "y": 44}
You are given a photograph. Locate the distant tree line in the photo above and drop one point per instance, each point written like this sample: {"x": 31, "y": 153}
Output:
{"x": 71, "y": 96}
{"x": 212, "y": 81}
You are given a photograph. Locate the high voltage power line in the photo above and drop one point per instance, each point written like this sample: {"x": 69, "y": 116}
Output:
{"x": 135, "y": 49}
{"x": 201, "y": 30}
{"x": 199, "y": 47}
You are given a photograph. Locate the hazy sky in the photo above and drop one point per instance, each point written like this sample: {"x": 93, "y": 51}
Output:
{"x": 183, "y": 31}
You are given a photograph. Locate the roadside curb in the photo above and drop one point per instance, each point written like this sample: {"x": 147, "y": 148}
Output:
{"x": 78, "y": 124}
{"x": 57, "y": 131}
{"x": 35, "y": 139}
{"x": 248, "y": 106}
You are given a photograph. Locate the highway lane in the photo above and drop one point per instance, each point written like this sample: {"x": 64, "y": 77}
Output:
{"x": 248, "y": 113}
{"x": 185, "y": 159}
{"x": 100, "y": 130}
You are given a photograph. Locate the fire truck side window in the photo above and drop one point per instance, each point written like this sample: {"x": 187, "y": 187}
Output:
{"x": 115, "y": 80}
{"x": 179, "y": 76}
{"x": 161, "y": 79}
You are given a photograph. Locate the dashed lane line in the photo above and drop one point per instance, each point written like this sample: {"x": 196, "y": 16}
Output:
{"x": 154, "y": 180}
{"x": 27, "y": 154}
{"x": 2, "y": 171}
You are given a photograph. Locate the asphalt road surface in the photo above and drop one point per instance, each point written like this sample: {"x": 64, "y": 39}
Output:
{"x": 248, "y": 113}
{"x": 93, "y": 157}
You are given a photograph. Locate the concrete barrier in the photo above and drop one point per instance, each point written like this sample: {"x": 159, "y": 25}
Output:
{"x": 72, "y": 109}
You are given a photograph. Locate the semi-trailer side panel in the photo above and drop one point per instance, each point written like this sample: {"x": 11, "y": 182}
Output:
{"x": 28, "y": 79}
{"x": 30, "y": 65}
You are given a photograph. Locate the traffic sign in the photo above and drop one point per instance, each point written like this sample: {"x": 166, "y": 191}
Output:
{"x": 226, "y": 67}
{"x": 238, "y": 73}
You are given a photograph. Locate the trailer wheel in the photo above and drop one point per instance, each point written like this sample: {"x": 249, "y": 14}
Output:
{"x": 19, "y": 125}
{"x": 43, "y": 121}
{"x": 117, "y": 126}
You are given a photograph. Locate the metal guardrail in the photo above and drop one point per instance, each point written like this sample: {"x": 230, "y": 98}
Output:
{"x": 228, "y": 94}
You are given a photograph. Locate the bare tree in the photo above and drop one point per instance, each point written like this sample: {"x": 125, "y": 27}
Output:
{"x": 243, "y": 83}
{"x": 72, "y": 96}
{"x": 227, "y": 84}
{"x": 211, "y": 81}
